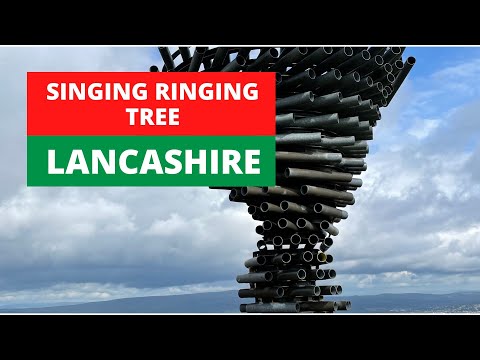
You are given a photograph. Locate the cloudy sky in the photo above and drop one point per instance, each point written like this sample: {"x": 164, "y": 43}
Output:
{"x": 415, "y": 226}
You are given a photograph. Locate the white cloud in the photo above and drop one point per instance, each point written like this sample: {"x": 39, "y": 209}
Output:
{"x": 85, "y": 227}
{"x": 460, "y": 79}
{"x": 170, "y": 226}
{"x": 423, "y": 128}
{"x": 217, "y": 237}
{"x": 67, "y": 215}
{"x": 459, "y": 72}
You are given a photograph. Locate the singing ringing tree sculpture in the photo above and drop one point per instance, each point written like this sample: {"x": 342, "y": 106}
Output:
{"x": 328, "y": 105}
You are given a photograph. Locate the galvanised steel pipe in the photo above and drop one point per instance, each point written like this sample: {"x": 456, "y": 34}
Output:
{"x": 303, "y": 78}
{"x": 302, "y": 257}
{"x": 345, "y": 123}
{"x": 323, "y": 101}
{"x": 295, "y": 239}
{"x": 313, "y": 58}
{"x": 295, "y": 101}
{"x": 309, "y": 190}
{"x": 356, "y": 182}
{"x": 284, "y": 120}
{"x": 407, "y": 66}
{"x": 309, "y": 156}
{"x": 294, "y": 173}
{"x": 315, "y": 274}
{"x": 197, "y": 58}
{"x": 321, "y": 258}
{"x": 397, "y": 66}
{"x": 263, "y": 61}
{"x": 350, "y": 80}
{"x": 355, "y": 62}
{"x": 269, "y": 225}
{"x": 374, "y": 90}
{"x": 392, "y": 54}
{"x": 320, "y": 306}
{"x": 326, "y": 81}
{"x": 389, "y": 79}
{"x": 236, "y": 64}
{"x": 304, "y": 224}
{"x": 292, "y": 56}
{"x": 220, "y": 56}
{"x": 377, "y": 50}
{"x": 329, "y": 258}
{"x": 256, "y": 261}
{"x": 293, "y": 275}
{"x": 265, "y": 276}
{"x": 302, "y": 291}
{"x": 312, "y": 240}
{"x": 326, "y": 244}
{"x": 280, "y": 191}
{"x": 291, "y": 207}
{"x": 347, "y": 103}
{"x": 328, "y": 290}
{"x": 272, "y": 307}
{"x": 282, "y": 259}
{"x": 298, "y": 138}
{"x": 307, "y": 122}
{"x": 328, "y": 227}
{"x": 326, "y": 210}
{"x": 330, "y": 274}
{"x": 364, "y": 84}
{"x": 284, "y": 223}
{"x": 277, "y": 241}
{"x": 278, "y": 78}
{"x": 245, "y": 52}
{"x": 261, "y": 245}
{"x": 371, "y": 65}
{"x": 350, "y": 162}
{"x": 344, "y": 305}
{"x": 255, "y": 191}
{"x": 335, "y": 59}
{"x": 337, "y": 141}
{"x": 271, "y": 208}
{"x": 268, "y": 292}
{"x": 381, "y": 72}
{"x": 167, "y": 58}
{"x": 184, "y": 52}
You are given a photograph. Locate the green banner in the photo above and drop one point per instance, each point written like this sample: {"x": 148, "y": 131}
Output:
{"x": 151, "y": 161}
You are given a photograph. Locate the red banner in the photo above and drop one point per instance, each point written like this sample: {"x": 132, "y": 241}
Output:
{"x": 139, "y": 103}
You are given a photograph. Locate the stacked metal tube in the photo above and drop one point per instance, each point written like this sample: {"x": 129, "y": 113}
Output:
{"x": 328, "y": 105}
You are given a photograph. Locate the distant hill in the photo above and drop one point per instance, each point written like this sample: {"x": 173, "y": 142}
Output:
{"x": 228, "y": 302}
{"x": 414, "y": 302}
{"x": 219, "y": 302}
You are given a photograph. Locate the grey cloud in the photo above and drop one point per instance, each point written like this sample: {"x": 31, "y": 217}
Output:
{"x": 95, "y": 235}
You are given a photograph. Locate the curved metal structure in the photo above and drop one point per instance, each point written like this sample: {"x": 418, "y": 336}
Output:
{"x": 328, "y": 105}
